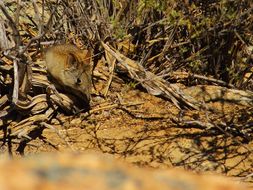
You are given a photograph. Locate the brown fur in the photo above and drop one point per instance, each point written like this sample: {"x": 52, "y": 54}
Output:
{"x": 70, "y": 69}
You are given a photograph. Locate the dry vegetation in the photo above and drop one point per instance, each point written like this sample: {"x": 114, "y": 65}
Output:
{"x": 173, "y": 80}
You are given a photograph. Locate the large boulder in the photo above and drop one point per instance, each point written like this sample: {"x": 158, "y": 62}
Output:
{"x": 72, "y": 171}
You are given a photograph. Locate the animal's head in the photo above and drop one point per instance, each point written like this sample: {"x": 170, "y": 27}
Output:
{"x": 77, "y": 73}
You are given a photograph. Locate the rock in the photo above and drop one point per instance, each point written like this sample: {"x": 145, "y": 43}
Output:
{"x": 72, "y": 171}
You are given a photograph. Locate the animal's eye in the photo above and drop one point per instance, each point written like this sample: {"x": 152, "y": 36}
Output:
{"x": 78, "y": 81}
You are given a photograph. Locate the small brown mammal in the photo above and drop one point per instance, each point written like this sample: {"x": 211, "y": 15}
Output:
{"x": 70, "y": 69}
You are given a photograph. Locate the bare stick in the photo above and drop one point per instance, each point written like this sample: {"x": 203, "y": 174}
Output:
{"x": 40, "y": 35}
{"x": 16, "y": 83}
{"x": 37, "y": 16}
{"x": 112, "y": 106}
{"x": 212, "y": 80}
{"x": 5, "y": 43}
{"x": 154, "y": 86}
{"x": 17, "y": 13}
{"x": 12, "y": 24}
{"x": 112, "y": 61}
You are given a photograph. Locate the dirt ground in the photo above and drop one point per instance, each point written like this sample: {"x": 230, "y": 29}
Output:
{"x": 148, "y": 131}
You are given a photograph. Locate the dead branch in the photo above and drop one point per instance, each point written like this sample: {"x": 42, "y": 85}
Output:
{"x": 112, "y": 62}
{"x": 154, "y": 84}
{"x": 16, "y": 34}
{"x": 16, "y": 82}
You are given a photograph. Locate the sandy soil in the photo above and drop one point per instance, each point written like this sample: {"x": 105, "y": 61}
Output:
{"x": 145, "y": 130}
{"x": 148, "y": 131}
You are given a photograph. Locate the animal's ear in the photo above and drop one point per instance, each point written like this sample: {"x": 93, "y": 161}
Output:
{"x": 72, "y": 60}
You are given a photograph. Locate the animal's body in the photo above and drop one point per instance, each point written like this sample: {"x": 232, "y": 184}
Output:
{"x": 70, "y": 69}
